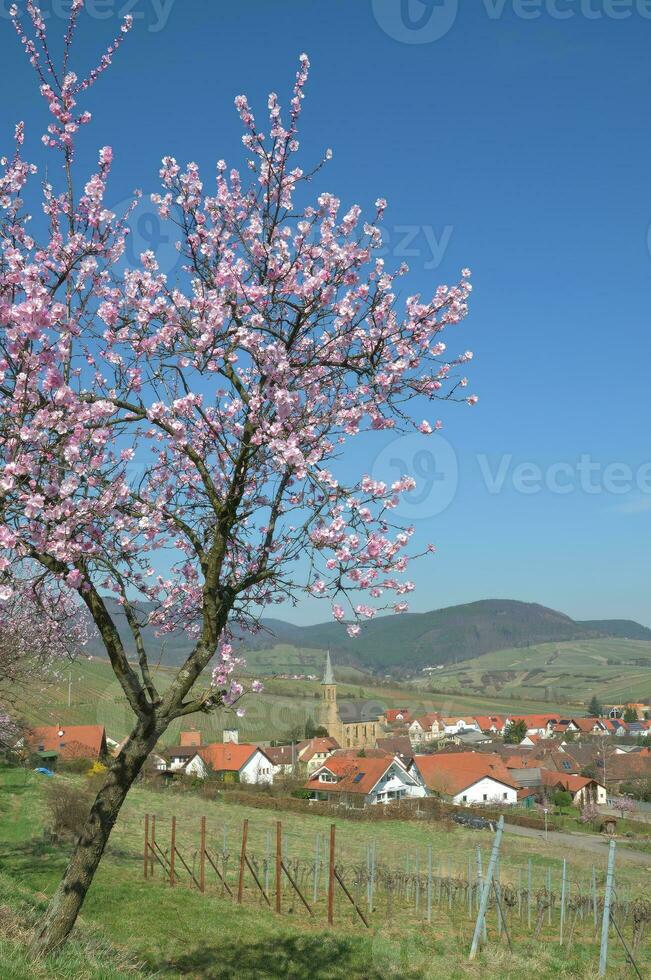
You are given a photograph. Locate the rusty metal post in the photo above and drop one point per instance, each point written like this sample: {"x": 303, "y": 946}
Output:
{"x": 152, "y": 849}
{"x": 173, "y": 851}
{"x": 146, "y": 851}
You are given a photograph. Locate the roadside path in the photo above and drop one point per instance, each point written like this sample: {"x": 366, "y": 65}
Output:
{"x": 594, "y": 843}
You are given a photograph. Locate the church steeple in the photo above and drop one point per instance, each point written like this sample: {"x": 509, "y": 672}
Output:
{"x": 328, "y": 712}
{"x": 328, "y": 674}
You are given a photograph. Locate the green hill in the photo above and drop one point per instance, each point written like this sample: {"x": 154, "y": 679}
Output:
{"x": 400, "y": 645}
{"x": 611, "y": 668}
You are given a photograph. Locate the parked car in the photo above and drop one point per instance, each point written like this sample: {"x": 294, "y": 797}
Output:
{"x": 476, "y": 823}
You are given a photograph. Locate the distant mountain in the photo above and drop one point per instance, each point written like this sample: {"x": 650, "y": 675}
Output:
{"x": 625, "y": 629}
{"x": 403, "y": 644}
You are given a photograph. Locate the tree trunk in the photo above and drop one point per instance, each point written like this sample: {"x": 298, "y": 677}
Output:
{"x": 66, "y": 902}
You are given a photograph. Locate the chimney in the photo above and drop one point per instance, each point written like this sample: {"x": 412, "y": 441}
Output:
{"x": 193, "y": 737}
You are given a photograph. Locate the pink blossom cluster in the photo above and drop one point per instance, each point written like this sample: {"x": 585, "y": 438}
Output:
{"x": 202, "y": 418}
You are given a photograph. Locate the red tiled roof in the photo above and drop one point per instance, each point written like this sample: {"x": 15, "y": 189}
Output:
{"x": 486, "y": 722}
{"x": 392, "y": 714}
{"x": 536, "y": 721}
{"x": 281, "y": 755}
{"x": 427, "y": 720}
{"x": 450, "y": 773}
{"x": 585, "y": 725}
{"x": 354, "y": 775}
{"x": 69, "y": 741}
{"x": 315, "y": 746}
{"x": 567, "y": 781}
{"x": 228, "y": 756}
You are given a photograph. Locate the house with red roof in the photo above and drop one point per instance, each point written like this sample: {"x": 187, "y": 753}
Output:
{"x": 468, "y": 778}
{"x": 426, "y": 728}
{"x": 376, "y": 778}
{"x": 582, "y": 789}
{"x": 313, "y": 752}
{"x": 240, "y": 762}
{"x": 398, "y": 716}
{"x": 536, "y": 724}
{"x": 491, "y": 724}
{"x": 68, "y": 741}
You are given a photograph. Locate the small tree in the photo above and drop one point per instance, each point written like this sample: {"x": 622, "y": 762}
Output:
{"x": 204, "y": 417}
{"x": 515, "y": 731}
{"x": 624, "y": 806}
{"x": 594, "y": 708}
{"x": 562, "y": 799}
{"x": 630, "y": 715}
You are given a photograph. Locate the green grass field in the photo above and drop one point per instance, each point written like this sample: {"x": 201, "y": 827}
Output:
{"x": 614, "y": 670}
{"x": 134, "y": 927}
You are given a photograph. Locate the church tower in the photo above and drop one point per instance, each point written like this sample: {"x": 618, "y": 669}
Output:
{"x": 329, "y": 713}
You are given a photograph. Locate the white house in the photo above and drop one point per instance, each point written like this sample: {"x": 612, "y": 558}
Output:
{"x": 364, "y": 781}
{"x": 243, "y": 763}
{"x": 452, "y": 726}
{"x": 425, "y": 728}
{"x": 182, "y": 759}
{"x": 467, "y": 778}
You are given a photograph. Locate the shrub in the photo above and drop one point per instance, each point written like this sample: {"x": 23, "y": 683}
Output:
{"x": 67, "y": 808}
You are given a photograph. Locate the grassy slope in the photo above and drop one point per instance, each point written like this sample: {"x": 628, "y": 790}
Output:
{"x": 178, "y": 932}
{"x": 562, "y": 672}
{"x": 285, "y": 705}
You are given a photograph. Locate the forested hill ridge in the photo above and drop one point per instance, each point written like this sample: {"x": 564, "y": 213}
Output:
{"x": 404, "y": 644}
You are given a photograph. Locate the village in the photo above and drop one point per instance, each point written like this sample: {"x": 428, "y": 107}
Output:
{"x": 357, "y": 757}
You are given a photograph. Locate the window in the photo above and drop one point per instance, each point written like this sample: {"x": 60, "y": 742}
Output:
{"x": 485, "y": 797}
{"x": 505, "y": 796}
{"x": 464, "y": 799}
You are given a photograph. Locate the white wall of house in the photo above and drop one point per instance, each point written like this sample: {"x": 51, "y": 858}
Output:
{"x": 397, "y": 783}
{"x": 460, "y": 725}
{"x": 196, "y": 767}
{"x": 487, "y": 791}
{"x": 317, "y": 761}
{"x": 586, "y": 795}
{"x": 257, "y": 769}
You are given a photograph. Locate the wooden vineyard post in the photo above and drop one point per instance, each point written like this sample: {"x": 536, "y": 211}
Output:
{"x": 153, "y": 845}
{"x": 481, "y": 917}
{"x": 331, "y": 877}
{"x": 146, "y": 851}
{"x": 240, "y": 883}
{"x": 279, "y": 860}
{"x": 173, "y": 851}
{"x": 603, "y": 954}
{"x": 202, "y": 857}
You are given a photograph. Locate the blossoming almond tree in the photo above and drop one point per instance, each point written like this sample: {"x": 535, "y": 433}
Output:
{"x": 199, "y": 419}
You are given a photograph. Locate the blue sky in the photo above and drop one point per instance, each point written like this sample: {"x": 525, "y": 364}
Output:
{"x": 506, "y": 138}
